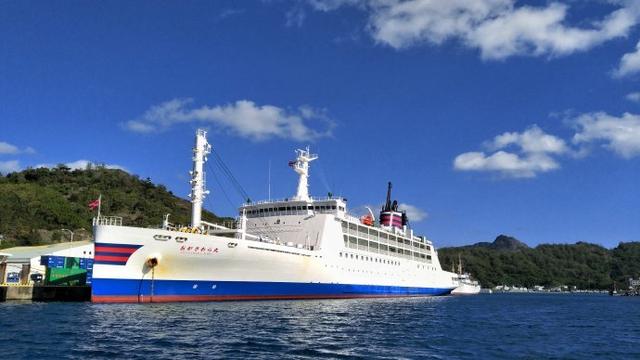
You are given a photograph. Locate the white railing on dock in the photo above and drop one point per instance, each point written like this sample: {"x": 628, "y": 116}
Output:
{"x": 108, "y": 220}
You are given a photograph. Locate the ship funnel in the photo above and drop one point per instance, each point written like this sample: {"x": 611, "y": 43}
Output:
{"x": 387, "y": 204}
{"x": 390, "y": 216}
{"x": 198, "y": 191}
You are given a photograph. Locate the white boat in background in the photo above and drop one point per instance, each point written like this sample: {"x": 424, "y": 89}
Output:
{"x": 466, "y": 285}
{"x": 296, "y": 248}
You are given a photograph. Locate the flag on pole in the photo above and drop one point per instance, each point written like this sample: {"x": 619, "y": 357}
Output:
{"x": 94, "y": 204}
{"x": 292, "y": 163}
{"x": 97, "y": 203}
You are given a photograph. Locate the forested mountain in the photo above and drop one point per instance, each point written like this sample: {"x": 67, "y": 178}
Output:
{"x": 36, "y": 203}
{"x": 507, "y": 261}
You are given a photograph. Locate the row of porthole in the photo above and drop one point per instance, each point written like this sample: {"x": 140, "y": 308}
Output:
{"x": 378, "y": 273}
{"x": 425, "y": 267}
{"x": 168, "y": 237}
{"x": 369, "y": 258}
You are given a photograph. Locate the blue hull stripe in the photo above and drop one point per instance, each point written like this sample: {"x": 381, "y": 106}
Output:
{"x": 110, "y": 262}
{"x": 186, "y": 288}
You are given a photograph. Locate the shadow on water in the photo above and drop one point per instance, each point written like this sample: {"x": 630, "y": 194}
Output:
{"x": 486, "y": 326}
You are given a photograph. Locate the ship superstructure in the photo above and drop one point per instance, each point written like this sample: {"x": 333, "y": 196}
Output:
{"x": 300, "y": 247}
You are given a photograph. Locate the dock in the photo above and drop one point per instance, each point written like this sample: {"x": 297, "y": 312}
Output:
{"x": 45, "y": 293}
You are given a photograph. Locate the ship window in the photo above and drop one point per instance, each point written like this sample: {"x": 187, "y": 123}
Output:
{"x": 407, "y": 242}
{"x": 392, "y": 249}
{"x": 352, "y": 256}
{"x": 282, "y": 208}
{"x": 353, "y": 242}
{"x": 333, "y": 207}
{"x": 428, "y": 247}
{"x": 309, "y": 207}
{"x": 429, "y": 257}
{"x": 356, "y": 257}
{"x": 340, "y": 254}
{"x": 341, "y": 208}
{"x": 362, "y": 232}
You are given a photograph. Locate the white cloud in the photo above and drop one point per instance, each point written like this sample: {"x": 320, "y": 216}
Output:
{"x": 81, "y": 165}
{"x": 414, "y": 213}
{"x": 619, "y": 134}
{"x": 295, "y": 17}
{"x": 629, "y": 64}
{"x": 6, "y": 148}
{"x": 530, "y": 153}
{"x": 634, "y": 96}
{"x": 532, "y": 140}
{"x": 498, "y": 28}
{"x": 9, "y": 166}
{"x": 508, "y": 164}
{"x": 243, "y": 118}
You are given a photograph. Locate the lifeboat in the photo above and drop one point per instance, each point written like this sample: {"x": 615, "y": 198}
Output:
{"x": 367, "y": 220}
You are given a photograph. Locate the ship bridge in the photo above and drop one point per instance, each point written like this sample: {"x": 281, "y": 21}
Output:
{"x": 285, "y": 207}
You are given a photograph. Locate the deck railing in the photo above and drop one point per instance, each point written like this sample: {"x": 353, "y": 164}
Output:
{"x": 107, "y": 220}
{"x": 320, "y": 198}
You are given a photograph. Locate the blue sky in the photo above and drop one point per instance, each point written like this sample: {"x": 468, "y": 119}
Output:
{"x": 489, "y": 116}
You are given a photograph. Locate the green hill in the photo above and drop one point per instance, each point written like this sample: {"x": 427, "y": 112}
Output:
{"x": 36, "y": 203}
{"x": 508, "y": 261}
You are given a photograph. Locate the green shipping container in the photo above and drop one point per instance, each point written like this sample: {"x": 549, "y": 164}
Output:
{"x": 72, "y": 263}
{"x": 65, "y": 276}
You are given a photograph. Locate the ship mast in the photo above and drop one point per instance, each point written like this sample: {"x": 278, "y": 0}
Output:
{"x": 301, "y": 166}
{"x": 198, "y": 191}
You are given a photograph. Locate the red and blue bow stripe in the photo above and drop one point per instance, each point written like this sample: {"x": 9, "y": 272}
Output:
{"x": 114, "y": 254}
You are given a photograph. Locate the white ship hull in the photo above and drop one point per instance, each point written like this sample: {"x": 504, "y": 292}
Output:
{"x": 466, "y": 289}
{"x": 209, "y": 268}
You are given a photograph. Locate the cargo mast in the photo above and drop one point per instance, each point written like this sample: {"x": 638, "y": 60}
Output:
{"x": 198, "y": 191}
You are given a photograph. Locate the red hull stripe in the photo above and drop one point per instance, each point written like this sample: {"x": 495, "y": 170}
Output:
{"x": 111, "y": 258}
{"x": 110, "y": 249}
{"x": 196, "y": 298}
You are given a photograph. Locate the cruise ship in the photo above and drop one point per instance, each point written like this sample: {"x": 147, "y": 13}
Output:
{"x": 297, "y": 248}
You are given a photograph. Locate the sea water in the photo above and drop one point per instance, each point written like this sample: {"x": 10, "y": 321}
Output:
{"x": 492, "y": 326}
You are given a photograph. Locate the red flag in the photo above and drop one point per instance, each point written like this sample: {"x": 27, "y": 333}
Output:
{"x": 94, "y": 204}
